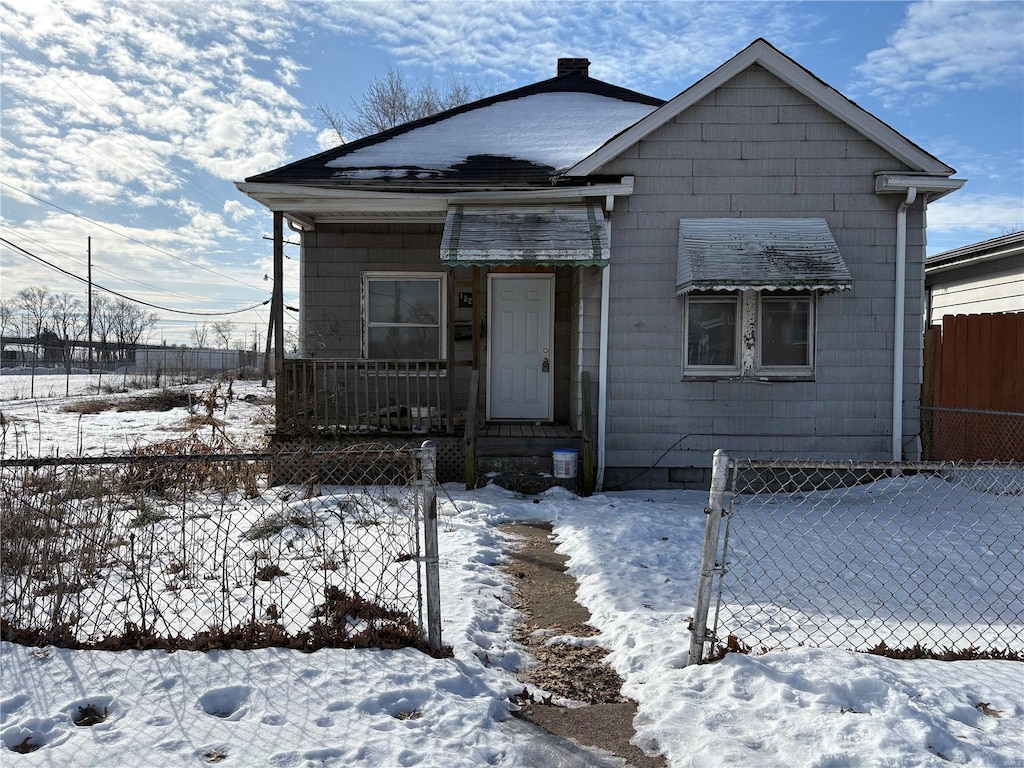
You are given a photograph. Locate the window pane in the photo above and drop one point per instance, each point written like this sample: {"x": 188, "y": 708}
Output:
{"x": 711, "y": 332}
{"x": 404, "y": 301}
{"x": 785, "y": 326}
{"x": 403, "y": 343}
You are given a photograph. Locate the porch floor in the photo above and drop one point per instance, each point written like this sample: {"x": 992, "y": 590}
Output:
{"x": 527, "y": 430}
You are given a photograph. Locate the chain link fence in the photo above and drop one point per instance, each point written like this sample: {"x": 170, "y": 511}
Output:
{"x": 904, "y": 559}
{"x": 203, "y": 551}
{"x": 966, "y": 434}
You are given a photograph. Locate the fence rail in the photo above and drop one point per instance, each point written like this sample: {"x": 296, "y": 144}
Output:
{"x": 200, "y": 551}
{"x": 366, "y": 395}
{"x": 916, "y": 559}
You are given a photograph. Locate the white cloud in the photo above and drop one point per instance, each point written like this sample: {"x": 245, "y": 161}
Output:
{"x": 992, "y": 214}
{"x": 629, "y": 43}
{"x": 186, "y": 77}
{"x": 947, "y": 45}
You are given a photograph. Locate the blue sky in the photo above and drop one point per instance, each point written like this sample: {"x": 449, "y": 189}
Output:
{"x": 128, "y": 121}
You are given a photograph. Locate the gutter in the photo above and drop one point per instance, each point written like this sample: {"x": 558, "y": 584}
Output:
{"x": 931, "y": 188}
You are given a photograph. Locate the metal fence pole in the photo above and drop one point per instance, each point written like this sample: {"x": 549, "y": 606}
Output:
{"x": 429, "y": 474}
{"x": 709, "y": 566}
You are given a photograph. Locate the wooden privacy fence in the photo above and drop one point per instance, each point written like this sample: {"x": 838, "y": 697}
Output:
{"x": 972, "y": 397}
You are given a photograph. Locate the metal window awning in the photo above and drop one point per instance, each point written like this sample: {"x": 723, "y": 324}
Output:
{"x": 552, "y": 235}
{"x": 760, "y": 255}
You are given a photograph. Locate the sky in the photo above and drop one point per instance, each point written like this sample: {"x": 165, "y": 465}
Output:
{"x": 127, "y": 122}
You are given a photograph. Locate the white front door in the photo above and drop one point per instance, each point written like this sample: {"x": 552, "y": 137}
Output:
{"x": 520, "y": 346}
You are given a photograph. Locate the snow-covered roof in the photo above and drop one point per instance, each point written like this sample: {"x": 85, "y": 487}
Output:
{"x": 548, "y": 130}
{"x": 524, "y": 136}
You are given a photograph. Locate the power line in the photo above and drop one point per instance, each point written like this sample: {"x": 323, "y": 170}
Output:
{"x": 128, "y": 237}
{"x": 101, "y": 268}
{"x": 43, "y": 261}
{"x": 179, "y": 173}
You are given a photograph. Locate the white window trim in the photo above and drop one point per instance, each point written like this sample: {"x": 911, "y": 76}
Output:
{"x": 364, "y": 315}
{"x": 748, "y": 340}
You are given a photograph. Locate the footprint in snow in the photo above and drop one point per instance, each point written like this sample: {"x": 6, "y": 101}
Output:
{"x": 33, "y": 733}
{"x": 227, "y": 703}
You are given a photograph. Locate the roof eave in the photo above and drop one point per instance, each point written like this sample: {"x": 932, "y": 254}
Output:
{"x": 786, "y": 69}
{"x": 319, "y": 200}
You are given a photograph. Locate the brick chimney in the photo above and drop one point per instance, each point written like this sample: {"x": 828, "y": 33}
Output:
{"x": 574, "y": 66}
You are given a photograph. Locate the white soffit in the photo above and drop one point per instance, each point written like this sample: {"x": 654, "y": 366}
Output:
{"x": 760, "y": 255}
{"x": 763, "y": 53}
{"x": 552, "y": 235}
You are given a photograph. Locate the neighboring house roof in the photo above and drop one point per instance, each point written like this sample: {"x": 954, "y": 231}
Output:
{"x": 975, "y": 279}
{"x": 526, "y": 136}
{"x": 1002, "y": 247}
{"x": 763, "y": 53}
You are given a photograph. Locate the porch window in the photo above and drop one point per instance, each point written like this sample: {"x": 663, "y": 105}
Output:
{"x": 403, "y": 316}
{"x": 749, "y": 333}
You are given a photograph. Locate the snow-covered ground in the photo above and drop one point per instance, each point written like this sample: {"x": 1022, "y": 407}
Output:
{"x": 635, "y": 556}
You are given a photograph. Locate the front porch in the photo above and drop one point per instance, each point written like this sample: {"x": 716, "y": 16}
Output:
{"x": 345, "y": 401}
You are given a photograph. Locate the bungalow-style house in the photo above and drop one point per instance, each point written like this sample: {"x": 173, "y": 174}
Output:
{"x": 573, "y": 261}
{"x": 977, "y": 278}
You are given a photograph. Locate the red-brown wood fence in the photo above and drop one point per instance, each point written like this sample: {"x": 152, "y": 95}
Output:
{"x": 972, "y": 395}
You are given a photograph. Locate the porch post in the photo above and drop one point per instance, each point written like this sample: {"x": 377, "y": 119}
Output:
{"x": 277, "y": 314}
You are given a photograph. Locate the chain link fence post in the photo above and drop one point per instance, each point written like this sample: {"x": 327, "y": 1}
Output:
{"x": 428, "y": 459}
{"x": 709, "y": 566}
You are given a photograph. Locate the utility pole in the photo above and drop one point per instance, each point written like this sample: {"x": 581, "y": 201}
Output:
{"x": 89, "y": 250}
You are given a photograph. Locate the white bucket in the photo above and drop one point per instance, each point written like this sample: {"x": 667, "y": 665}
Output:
{"x": 564, "y": 461}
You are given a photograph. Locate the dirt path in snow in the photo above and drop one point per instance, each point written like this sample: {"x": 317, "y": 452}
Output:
{"x": 546, "y": 594}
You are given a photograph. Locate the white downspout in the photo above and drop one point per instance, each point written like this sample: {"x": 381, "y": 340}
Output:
{"x": 602, "y": 373}
{"x": 899, "y": 322}
{"x": 602, "y": 376}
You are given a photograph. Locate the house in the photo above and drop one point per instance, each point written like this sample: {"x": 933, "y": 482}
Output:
{"x": 661, "y": 278}
{"x": 972, "y": 399}
{"x": 977, "y": 278}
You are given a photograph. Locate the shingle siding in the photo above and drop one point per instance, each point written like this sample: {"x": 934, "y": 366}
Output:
{"x": 755, "y": 147}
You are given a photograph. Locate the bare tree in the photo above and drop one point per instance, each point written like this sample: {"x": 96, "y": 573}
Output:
{"x": 69, "y": 323}
{"x": 103, "y": 325}
{"x": 6, "y": 317}
{"x": 130, "y": 325}
{"x": 200, "y": 334}
{"x": 393, "y": 99}
{"x": 222, "y": 330}
{"x": 35, "y": 304}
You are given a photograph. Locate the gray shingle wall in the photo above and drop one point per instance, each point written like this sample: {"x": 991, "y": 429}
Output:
{"x": 757, "y": 148}
{"x": 333, "y": 260}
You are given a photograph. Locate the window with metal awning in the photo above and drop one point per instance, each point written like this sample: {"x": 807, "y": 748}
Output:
{"x": 759, "y": 254}
{"x": 750, "y": 288}
{"x": 574, "y": 235}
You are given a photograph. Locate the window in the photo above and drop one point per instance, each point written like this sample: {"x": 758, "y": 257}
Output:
{"x": 403, "y": 316}
{"x": 749, "y": 333}
{"x": 712, "y": 323}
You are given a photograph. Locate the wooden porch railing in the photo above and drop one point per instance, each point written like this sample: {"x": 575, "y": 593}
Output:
{"x": 355, "y": 395}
